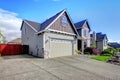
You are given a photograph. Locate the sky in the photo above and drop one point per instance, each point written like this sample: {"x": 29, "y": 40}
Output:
{"x": 102, "y": 15}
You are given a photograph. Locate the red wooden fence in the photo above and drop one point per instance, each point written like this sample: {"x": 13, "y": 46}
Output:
{"x": 13, "y": 49}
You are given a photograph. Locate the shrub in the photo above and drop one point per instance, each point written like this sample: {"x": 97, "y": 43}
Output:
{"x": 88, "y": 51}
{"x": 92, "y": 46}
{"x": 118, "y": 49}
{"x": 77, "y": 51}
{"x": 91, "y": 51}
{"x": 109, "y": 51}
{"x": 96, "y": 51}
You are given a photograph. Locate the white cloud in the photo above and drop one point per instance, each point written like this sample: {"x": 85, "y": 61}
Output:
{"x": 10, "y": 24}
{"x": 111, "y": 40}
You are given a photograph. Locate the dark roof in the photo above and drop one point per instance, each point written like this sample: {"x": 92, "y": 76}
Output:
{"x": 43, "y": 25}
{"x": 80, "y": 24}
{"x": 114, "y": 44}
{"x": 48, "y": 21}
{"x": 100, "y": 36}
{"x": 35, "y": 25}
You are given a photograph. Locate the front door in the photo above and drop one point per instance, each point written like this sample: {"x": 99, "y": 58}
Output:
{"x": 79, "y": 45}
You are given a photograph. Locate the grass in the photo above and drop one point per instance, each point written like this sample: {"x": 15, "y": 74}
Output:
{"x": 101, "y": 58}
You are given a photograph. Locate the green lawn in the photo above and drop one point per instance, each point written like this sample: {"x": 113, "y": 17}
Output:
{"x": 101, "y": 58}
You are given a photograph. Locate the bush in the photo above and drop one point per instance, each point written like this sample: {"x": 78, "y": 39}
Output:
{"x": 91, "y": 51}
{"x": 96, "y": 51}
{"x": 118, "y": 49}
{"x": 87, "y": 53}
{"x": 92, "y": 46}
{"x": 110, "y": 51}
{"x": 88, "y": 50}
{"x": 77, "y": 51}
{"x": 106, "y": 53}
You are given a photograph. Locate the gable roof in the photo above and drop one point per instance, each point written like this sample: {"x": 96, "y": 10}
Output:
{"x": 46, "y": 24}
{"x": 49, "y": 21}
{"x": 39, "y": 27}
{"x": 80, "y": 24}
{"x": 99, "y": 36}
{"x": 34, "y": 25}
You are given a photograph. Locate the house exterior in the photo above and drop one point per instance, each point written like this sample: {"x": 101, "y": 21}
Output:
{"x": 99, "y": 40}
{"x": 55, "y": 37}
{"x": 83, "y": 30}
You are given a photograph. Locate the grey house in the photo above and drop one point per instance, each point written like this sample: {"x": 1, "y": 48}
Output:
{"x": 99, "y": 40}
{"x": 55, "y": 37}
{"x": 83, "y": 30}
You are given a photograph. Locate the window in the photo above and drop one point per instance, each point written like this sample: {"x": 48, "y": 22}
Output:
{"x": 64, "y": 21}
{"x": 85, "y": 32}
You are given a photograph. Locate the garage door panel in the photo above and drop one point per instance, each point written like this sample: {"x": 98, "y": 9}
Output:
{"x": 59, "y": 47}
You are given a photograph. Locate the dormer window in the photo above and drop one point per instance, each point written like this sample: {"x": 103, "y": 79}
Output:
{"x": 64, "y": 21}
{"x": 85, "y": 32}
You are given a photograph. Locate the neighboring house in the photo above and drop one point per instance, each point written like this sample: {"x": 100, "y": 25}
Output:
{"x": 15, "y": 41}
{"x": 114, "y": 44}
{"x": 83, "y": 30}
{"x": 55, "y": 37}
{"x": 99, "y": 40}
{"x": 2, "y": 38}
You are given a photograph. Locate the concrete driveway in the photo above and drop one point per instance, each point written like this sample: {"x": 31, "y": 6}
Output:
{"x": 81, "y": 67}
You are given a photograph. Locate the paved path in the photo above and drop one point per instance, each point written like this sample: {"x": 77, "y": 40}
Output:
{"x": 63, "y": 68}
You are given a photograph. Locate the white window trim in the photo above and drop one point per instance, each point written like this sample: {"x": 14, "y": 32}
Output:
{"x": 64, "y": 23}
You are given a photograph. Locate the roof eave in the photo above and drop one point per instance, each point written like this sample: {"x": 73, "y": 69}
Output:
{"x": 72, "y": 23}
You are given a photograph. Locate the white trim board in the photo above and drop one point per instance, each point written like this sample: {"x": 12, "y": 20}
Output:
{"x": 55, "y": 19}
{"x": 30, "y": 26}
{"x": 61, "y": 32}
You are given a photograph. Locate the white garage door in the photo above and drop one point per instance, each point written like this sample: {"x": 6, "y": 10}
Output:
{"x": 60, "y": 47}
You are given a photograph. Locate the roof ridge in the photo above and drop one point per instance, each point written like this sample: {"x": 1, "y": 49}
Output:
{"x": 31, "y": 21}
{"x": 47, "y": 22}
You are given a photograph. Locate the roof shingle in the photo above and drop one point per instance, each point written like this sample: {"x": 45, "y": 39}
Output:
{"x": 48, "y": 21}
{"x": 79, "y": 25}
{"x": 35, "y": 25}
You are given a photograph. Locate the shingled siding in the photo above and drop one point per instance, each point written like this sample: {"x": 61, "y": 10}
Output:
{"x": 58, "y": 25}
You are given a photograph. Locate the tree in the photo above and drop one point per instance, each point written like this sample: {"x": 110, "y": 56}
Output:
{"x": 2, "y": 38}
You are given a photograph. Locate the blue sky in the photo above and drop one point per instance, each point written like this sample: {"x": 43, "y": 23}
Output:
{"x": 103, "y": 15}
